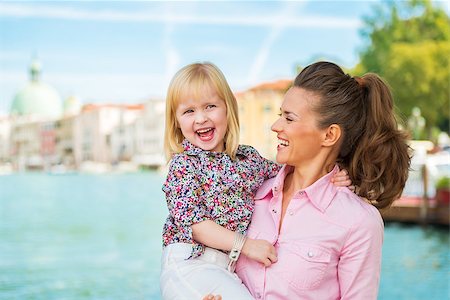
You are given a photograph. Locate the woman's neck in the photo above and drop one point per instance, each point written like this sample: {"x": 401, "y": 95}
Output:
{"x": 306, "y": 174}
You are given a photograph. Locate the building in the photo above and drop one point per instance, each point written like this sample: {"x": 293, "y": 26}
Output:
{"x": 34, "y": 110}
{"x": 149, "y": 135}
{"x": 258, "y": 110}
{"x": 27, "y": 145}
{"x": 5, "y": 132}
{"x": 37, "y": 99}
{"x": 96, "y": 123}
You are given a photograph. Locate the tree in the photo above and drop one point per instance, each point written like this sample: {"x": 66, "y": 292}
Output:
{"x": 409, "y": 46}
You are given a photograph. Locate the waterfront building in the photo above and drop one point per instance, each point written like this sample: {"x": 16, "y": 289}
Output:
{"x": 68, "y": 133}
{"x": 34, "y": 110}
{"x": 97, "y": 122}
{"x": 67, "y": 137}
{"x": 37, "y": 99}
{"x": 123, "y": 138}
{"x": 5, "y": 131}
{"x": 258, "y": 109}
{"x": 32, "y": 143}
{"x": 149, "y": 135}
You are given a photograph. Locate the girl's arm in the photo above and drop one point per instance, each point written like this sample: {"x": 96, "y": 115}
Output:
{"x": 183, "y": 196}
{"x": 341, "y": 178}
{"x": 215, "y": 236}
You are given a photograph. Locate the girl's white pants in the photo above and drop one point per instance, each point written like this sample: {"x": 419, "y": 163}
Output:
{"x": 192, "y": 279}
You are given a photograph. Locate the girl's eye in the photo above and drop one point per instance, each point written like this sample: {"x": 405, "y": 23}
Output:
{"x": 210, "y": 106}
{"x": 187, "y": 111}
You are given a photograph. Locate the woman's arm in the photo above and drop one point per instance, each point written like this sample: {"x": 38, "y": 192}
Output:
{"x": 360, "y": 261}
{"x": 215, "y": 236}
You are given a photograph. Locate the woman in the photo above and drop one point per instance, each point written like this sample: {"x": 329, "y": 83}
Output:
{"x": 328, "y": 240}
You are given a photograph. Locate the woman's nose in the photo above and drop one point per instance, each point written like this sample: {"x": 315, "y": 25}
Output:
{"x": 275, "y": 127}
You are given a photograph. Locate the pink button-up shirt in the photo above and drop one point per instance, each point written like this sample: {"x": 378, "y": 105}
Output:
{"x": 329, "y": 245}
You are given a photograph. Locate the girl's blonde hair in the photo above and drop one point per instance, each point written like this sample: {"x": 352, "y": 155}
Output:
{"x": 193, "y": 79}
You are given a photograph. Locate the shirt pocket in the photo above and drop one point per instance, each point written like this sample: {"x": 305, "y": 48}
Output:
{"x": 303, "y": 266}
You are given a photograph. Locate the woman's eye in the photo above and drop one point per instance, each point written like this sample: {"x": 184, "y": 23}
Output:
{"x": 286, "y": 118}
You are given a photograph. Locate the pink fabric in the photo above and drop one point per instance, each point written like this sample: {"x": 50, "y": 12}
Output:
{"x": 329, "y": 245}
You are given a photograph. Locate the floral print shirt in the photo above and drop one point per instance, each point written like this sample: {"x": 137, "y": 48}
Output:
{"x": 203, "y": 185}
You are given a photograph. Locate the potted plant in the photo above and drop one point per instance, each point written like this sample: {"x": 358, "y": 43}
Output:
{"x": 443, "y": 190}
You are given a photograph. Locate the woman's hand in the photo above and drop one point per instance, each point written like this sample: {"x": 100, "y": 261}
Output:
{"x": 260, "y": 250}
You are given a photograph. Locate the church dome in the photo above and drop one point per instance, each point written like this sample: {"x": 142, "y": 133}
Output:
{"x": 72, "y": 106}
{"x": 37, "y": 98}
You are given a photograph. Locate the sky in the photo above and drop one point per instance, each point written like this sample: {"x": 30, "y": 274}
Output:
{"x": 127, "y": 51}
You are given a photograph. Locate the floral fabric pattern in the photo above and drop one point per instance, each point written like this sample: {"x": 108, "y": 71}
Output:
{"x": 203, "y": 185}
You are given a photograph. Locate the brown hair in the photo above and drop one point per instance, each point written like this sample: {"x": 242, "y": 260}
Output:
{"x": 193, "y": 78}
{"x": 372, "y": 149}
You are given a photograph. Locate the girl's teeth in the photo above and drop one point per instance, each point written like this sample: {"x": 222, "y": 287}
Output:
{"x": 203, "y": 130}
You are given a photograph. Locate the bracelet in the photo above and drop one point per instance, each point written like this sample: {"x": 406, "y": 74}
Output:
{"x": 239, "y": 240}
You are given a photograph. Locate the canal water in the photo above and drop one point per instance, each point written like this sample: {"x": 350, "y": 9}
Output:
{"x": 78, "y": 236}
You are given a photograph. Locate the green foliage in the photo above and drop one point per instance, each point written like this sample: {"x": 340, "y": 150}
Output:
{"x": 443, "y": 183}
{"x": 409, "y": 45}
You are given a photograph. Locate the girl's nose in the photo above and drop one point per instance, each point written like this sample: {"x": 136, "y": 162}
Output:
{"x": 200, "y": 118}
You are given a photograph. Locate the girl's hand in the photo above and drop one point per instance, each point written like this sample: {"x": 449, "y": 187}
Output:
{"x": 260, "y": 250}
{"x": 341, "y": 178}
{"x": 212, "y": 297}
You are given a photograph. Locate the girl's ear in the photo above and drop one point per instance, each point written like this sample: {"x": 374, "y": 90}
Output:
{"x": 332, "y": 135}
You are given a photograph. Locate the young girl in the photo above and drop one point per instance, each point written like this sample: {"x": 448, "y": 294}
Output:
{"x": 209, "y": 189}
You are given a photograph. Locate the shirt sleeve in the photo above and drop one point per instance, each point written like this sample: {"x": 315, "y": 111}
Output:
{"x": 267, "y": 168}
{"x": 183, "y": 193}
{"x": 360, "y": 262}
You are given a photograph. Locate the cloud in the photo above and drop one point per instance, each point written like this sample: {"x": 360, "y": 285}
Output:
{"x": 261, "y": 58}
{"x": 70, "y": 13}
{"x": 172, "y": 57}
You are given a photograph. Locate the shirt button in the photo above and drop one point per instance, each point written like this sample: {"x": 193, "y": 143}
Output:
{"x": 301, "y": 193}
{"x": 275, "y": 189}
{"x": 258, "y": 295}
{"x": 291, "y": 212}
{"x": 274, "y": 210}
{"x": 310, "y": 254}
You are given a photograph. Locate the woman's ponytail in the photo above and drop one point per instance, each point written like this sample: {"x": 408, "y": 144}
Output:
{"x": 380, "y": 162}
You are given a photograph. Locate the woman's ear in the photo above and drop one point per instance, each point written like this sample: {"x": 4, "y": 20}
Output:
{"x": 332, "y": 135}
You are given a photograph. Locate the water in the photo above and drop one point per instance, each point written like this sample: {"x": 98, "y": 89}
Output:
{"x": 98, "y": 237}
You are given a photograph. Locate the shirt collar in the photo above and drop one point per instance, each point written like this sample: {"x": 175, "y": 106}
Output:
{"x": 320, "y": 193}
{"x": 191, "y": 149}
{"x": 276, "y": 184}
